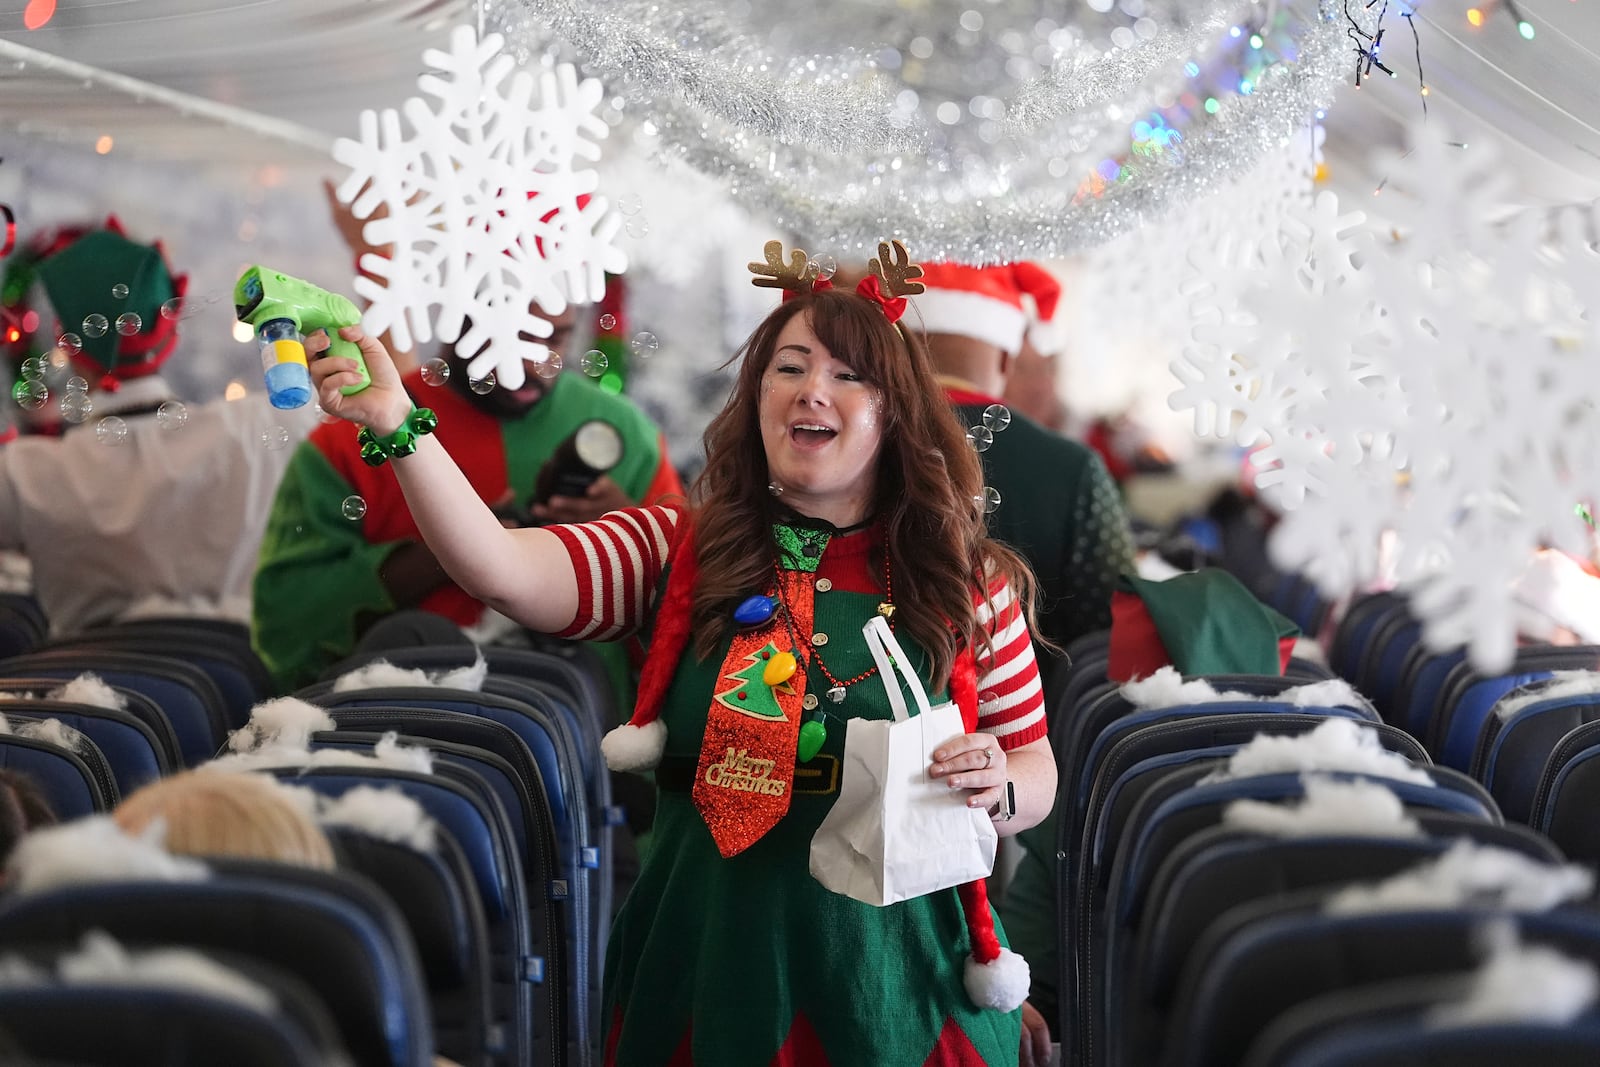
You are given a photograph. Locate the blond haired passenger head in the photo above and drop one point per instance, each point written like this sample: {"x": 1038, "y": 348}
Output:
{"x": 248, "y": 816}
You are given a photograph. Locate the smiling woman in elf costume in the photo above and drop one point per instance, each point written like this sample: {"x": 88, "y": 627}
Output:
{"x": 838, "y": 485}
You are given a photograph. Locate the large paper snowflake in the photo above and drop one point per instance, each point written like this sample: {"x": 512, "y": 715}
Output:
{"x": 1432, "y": 385}
{"x": 486, "y": 204}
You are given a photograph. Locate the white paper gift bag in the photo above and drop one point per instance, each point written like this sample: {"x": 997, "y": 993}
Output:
{"x": 894, "y": 833}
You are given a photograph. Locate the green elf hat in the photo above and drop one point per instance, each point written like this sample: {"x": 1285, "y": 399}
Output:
{"x": 1205, "y": 622}
{"x": 139, "y": 328}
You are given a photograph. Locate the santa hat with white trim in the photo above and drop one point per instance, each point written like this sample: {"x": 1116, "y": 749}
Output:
{"x": 998, "y": 305}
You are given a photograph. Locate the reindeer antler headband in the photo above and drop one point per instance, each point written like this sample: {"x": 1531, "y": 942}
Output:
{"x": 891, "y": 278}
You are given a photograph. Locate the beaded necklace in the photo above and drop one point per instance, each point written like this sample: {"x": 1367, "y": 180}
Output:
{"x": 836, "y": 692}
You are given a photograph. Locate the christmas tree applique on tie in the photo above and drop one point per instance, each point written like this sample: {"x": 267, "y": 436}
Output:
{"x": 758, "y": 686}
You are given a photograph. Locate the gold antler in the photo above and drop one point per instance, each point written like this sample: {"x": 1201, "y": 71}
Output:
{"x": 797, "y": 274}
{"x": 896, "y": 274}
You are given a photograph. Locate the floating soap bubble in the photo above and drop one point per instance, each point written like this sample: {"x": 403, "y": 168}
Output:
{"x": 353, "y": 508}
{"x": 129, "y": 324}
{"x": 825, "y": 266}
{"x": 75, "y": 407}
{"x": 111, "y": 430}
{"x": 638, "y": 226}
{"x": 436, "y": 372}
{"x": 996, "y": 417}
{"x": 76, "y": 384}
{"x": 549, "y": 367}
{"x": 70, "y": 343}
{"x": 483, "y": 385}
{"x": 119, "y": 291}
{"x": 645, "y": 344}
{"x": 275, "y": 438}
{"x": 173, "y": 308}
{"x": 95, "y": 325}
{"x": 631, "y": 204}
{"x": 608, "y": 321}
{"x": 172, "y": 415}
{"x": 989, "y": 501}
{"x": 595, "y": 363}
{"x": 30, "y": 395}
{"x": 32, "y": 369}
{"x": 980, "y": 438}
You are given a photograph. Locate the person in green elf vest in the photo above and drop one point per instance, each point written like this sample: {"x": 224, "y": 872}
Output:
{"x": 838, "y": 488}
{"x": 1053, "y": 500}
{"x": 341, "y": 551}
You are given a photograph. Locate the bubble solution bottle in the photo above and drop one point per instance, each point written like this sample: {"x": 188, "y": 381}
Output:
{"x": 283, "y": 358}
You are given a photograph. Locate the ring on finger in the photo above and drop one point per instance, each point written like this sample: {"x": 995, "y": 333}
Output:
{"x": 988, "y": 758}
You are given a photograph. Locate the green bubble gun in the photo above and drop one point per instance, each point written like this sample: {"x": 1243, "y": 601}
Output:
{"x": 283, "y": 310}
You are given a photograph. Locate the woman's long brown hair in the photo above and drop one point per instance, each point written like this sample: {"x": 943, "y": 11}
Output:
{"x": 927, "y": 478}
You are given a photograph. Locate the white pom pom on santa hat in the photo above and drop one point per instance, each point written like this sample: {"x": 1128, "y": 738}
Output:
{"x": 1001, "y": 984}
{"x": 635, "y": 748}
{"x": 995, "y": 976}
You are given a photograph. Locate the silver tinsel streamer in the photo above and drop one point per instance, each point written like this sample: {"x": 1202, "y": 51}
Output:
{"x": 1085, "y": 78}
{"x": 1013, "y": 181}
{"x": 694, "y": 54}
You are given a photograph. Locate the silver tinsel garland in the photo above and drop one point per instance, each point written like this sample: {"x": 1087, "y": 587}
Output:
{"x": 694, "y": 54}
{"x": 824, "y": 144}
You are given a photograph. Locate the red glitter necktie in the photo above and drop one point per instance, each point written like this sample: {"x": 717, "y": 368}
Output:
{"x": 746, "y": 771}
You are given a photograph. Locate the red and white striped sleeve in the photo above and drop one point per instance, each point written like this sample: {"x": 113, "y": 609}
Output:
{"x": 618, "y": 560}
{"x": 1010, "y": 698}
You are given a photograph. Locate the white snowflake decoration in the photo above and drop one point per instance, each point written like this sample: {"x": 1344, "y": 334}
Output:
{"x": 1434, "y": 386}
{"x": 1122, "y": 309}
{"x": 486, "y": 204}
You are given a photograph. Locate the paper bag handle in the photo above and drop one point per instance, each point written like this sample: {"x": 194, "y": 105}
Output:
{"x": 890, "y": 658}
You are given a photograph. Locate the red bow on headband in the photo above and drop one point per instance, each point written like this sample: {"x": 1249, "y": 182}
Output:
{"x": 894, "y": 307}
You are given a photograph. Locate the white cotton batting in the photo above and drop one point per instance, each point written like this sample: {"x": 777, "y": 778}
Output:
{"x": 307, "y": 801}
{"x": 381, "y": 673}
{"x": 1469, "y": 874}
{"x": 1330, "y": 807}
{"x": 492, "y": 628}
{"x": 1166, "y": 688}
{"x": 1521, "y": 983}
{"x": 54, "y": 732}
{"x": 384, "y": 813}
{"x": 388, "y": 752}
{"x": 100, "y": 960}
{"x": 286, "y": 721}
{"x": 1335, "y": 745}
{"x": 1560, "y": 684}
{"x": 1332, "y": 693}
{"x": 89, "y": 689}
{"x": 18, "y": 972}
{"x": 95, "y": 849}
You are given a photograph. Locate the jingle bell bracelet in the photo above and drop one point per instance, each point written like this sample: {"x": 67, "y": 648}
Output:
{"x": 376, "y": 451}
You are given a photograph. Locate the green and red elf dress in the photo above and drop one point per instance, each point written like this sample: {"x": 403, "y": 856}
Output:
{"x": 727, "y": 953}
{"x": 319, "y": 582}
